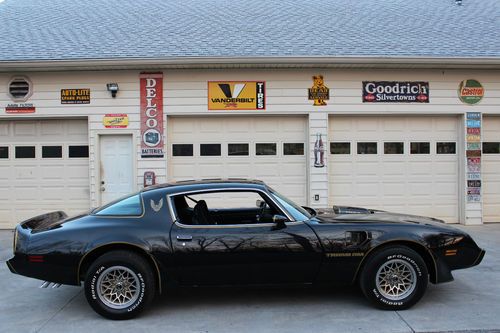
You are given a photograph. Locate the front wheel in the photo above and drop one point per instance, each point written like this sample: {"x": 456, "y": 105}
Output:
{"x": 394, "y": 278}
{"x": 119, "y": 285}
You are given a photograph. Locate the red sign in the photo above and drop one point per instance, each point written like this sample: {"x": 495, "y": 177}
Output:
{"x": 20, "y": 109}
{"x": 151, "y": 85}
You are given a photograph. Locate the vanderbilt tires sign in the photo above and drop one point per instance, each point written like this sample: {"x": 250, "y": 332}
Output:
{"x": 236, "y": 95}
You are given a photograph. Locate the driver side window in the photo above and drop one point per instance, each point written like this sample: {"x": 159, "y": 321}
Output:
{"x": 223, "y": 208}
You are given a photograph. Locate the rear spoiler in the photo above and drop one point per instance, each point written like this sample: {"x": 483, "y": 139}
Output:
{"x": 44, "y": 221}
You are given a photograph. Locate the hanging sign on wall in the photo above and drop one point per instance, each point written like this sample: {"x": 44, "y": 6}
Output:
{"x": 151, "y": 87}
{"x": 319, "y": 93}
{"x": 236, "y": 95}
{"x": 395, "y": 92}
{"x": 75, "y": 96}
{"x": 115, "y": 120}
{"x": 20, "y": 108}
{"x": 470, "y": 91}
{"x": 473, "y": 153}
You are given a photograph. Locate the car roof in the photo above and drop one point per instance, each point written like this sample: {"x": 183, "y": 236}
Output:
{"x": 214, "y": 183}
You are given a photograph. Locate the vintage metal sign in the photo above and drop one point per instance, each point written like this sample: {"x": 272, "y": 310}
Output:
{"x": 237, "y": 95}
{"x": 20, "y": 108}
{"x": 395, "y": 92}
{"x": 470, "y": 91}
{"x": 115, "y": 120}
{"x": 75, "y": 96}
{"x": 473, "y": 154}
{"x": 319, "y": 93}
{"x": 151, "y": 88}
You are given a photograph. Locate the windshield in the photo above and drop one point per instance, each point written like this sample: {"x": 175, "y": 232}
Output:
{"x": 298, "y": 213}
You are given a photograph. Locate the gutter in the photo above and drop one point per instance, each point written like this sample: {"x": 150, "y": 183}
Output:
{"x": 252, "y": 62}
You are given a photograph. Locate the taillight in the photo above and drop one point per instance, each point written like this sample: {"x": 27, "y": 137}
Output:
{"x": 35, "y": 258}
{"x": 14, "y": 247}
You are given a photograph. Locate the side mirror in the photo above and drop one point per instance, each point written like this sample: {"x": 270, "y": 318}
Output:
{"x": 310, "y": 210}
{"x": 279, "y": 221}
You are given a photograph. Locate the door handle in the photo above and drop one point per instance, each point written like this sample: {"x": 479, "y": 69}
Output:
{"x": 184, "y": 238}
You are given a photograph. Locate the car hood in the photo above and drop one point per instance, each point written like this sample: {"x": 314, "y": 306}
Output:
{"x": 356, "y": 214}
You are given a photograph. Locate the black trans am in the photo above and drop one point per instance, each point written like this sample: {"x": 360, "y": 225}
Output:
{"x": 235, "y": 232}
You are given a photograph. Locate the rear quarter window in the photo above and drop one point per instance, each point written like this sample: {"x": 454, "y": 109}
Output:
{"x": 130, "y": 206}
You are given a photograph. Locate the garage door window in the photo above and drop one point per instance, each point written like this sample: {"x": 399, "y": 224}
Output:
{"x": 491, "y": 147}
{"x": 340, "y": 148}
{"x": 446, "y": 148}
{"x": 210, "y": 149}
{"x": 51, "y": 152}
{"x": 78, "y": 151}
{"x": 25, "y": 152}
{"x": 182, "y": 150}
{"x": 237, "y": 149}
{"x": 394, "y": 148}
{"x": 367, "y": 148}
{"x": 265, "y": 149}
{"x": 420, "y": 148}
{"x": 293, "y": 149}
{"x": 4, "y": 152}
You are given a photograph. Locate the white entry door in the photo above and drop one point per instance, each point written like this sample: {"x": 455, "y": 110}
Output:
{"x": 117, "y": 173}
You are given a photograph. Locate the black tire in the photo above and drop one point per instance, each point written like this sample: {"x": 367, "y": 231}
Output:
{"x": 383, "y": 294}
{"x": 138, "y": 290}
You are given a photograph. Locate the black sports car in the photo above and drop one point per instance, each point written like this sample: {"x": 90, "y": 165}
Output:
{"x": 235, "y": 232}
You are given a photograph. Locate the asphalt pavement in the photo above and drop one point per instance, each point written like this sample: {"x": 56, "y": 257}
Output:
{"x": 471, "y": 303}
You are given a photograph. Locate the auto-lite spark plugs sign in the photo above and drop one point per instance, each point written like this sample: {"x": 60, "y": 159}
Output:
{"x": 395, "y": 92}
{"x": 151, "y": 86}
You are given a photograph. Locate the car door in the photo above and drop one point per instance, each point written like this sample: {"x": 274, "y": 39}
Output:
{"x": 244, "y": 253}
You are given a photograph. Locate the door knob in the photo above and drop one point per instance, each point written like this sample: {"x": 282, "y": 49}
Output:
{"x": 103, "y": 189}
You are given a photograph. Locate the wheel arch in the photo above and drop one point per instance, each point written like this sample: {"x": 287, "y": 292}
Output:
{"x": 98, "y": 251}
{"x": 430, "y": 261}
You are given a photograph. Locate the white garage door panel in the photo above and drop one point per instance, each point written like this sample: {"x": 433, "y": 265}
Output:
{"x": 491, "y": 171}
{"x": 33, "y": 186}
{"x": 285, "y": 173}
{"x": 408, "y": 183}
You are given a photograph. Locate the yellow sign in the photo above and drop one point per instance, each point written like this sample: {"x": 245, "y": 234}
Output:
{"x": 236, "y": 95}
{"x": 115, "y": 120}
{"x": 319, "y": 92}
{"x": 75, "y": 96}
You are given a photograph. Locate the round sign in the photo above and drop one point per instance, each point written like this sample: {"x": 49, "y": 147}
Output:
{"x": 470, "y": 91}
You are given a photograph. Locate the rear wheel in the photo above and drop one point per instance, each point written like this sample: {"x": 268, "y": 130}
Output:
{"x": 394, "y": 278}
{"x": 119, "y": 285}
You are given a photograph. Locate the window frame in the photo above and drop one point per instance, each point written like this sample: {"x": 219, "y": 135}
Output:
{"x": 482, "y": 148}
{"x": 397, "y": 154}
{"x": 420, "y": 154}
{"x": 438, "y": 153}
{"x": 238, "y": 143}
{"x": 370, "y": 154}
{"x": 52, "y": 158}
{"x": 141, "y": 199}
{"x": 175, "y": 218}
{"x": 276, "y": 145}
{"x": 78, "y": 145}
{"x": 210, "y": 143}
{"x": 9, "y": 153}
{"x": 180, "y": 156}
{"x": 295, "y": 143}
{"x": 26, "y": 158}
{"x": 330, "y": 148}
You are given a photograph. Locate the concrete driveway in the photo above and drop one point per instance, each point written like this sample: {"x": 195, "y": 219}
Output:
{"x": 470, "y": 303}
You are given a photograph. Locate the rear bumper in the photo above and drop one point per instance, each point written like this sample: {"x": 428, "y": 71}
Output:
{"x": 47, "y": 270}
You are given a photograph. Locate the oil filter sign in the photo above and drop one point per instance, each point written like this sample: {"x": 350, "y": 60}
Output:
{"x": 395, "y": 92}
{"x": 151, "y": 86}
{"x": 470, "y": 91}
{"x": 237, "y": 95}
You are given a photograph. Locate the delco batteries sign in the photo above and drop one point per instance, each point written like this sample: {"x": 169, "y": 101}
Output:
{"x": 237, "y": 95}
{"x": 151, "y": 86}
{"x": 395, "y": 92}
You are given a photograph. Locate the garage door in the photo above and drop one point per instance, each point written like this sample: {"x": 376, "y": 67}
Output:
{"x": 400, "y": 164}
{"x": 271, "y": 149}
{"x": 43, "y": 167}
{"x": 491, "y": 169}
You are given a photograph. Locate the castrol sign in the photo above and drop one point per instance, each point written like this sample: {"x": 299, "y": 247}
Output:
{"x": 151, "y": 85}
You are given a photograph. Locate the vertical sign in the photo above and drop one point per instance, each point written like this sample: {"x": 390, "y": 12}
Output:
{"x": 151, "y": 86}
{"x": 473, "y": 154}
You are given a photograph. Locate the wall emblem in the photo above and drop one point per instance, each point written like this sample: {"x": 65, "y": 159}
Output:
{"x": 319, "y": 152}
{"x": 156, "y": 206}
{"x": 237, "y": 95}
{"x": 470, "y": 92}
{"x": 319, "y": 92}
